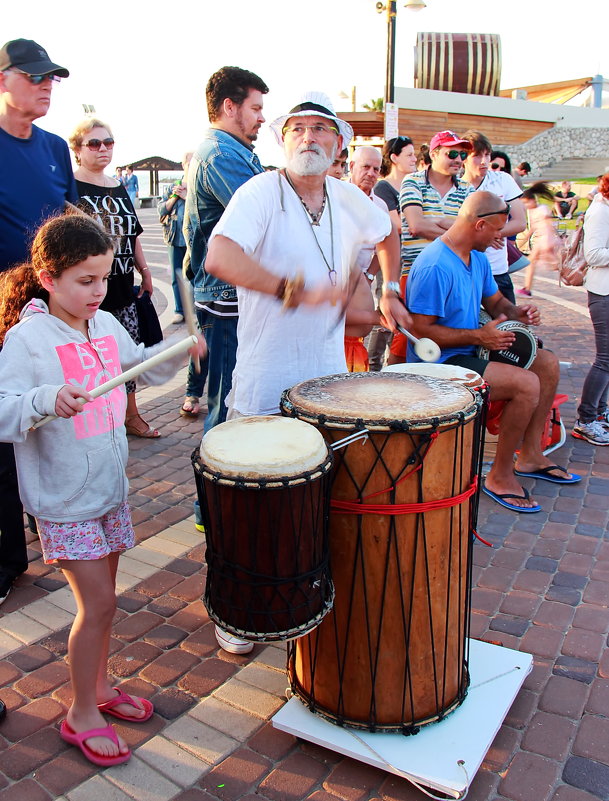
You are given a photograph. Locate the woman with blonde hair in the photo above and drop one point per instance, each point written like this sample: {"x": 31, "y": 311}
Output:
{"x": 106, "y": 200}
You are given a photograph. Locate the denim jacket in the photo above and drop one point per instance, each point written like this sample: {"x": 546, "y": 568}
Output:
{"x": 220, "y": 165}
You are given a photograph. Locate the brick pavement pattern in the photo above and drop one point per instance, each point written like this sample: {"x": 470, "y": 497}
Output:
{"x": 543, "y": 588}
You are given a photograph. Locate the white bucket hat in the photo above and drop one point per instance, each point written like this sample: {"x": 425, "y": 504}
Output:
{"x": 316, "y": 104}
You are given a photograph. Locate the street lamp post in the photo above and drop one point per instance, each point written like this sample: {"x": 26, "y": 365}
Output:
{"x": 391, "y": 8}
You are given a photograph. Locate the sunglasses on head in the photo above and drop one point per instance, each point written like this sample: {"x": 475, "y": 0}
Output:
{"x": 399, "y": 143}
{"x": 495, "y": 166}
{"x": 452, "y": 154}
{"x": 95, "y": 144}
{"x": 505, "y": 211}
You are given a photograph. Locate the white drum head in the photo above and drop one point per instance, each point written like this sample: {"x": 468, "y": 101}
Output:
{"x": 263, "y": 446}
{"x": 447, "y": 372}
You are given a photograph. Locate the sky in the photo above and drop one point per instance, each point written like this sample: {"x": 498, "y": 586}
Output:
{"x": 144, "y": 65}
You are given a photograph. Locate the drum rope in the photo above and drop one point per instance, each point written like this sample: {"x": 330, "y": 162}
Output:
{"x": 462, "y": 794}
{"x": 359, "y": 508}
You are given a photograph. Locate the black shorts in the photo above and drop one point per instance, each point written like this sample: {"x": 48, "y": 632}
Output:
{"x": 468, "y": 362}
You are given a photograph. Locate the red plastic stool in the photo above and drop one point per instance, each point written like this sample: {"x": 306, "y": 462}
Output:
{"x": 554, "y": 434}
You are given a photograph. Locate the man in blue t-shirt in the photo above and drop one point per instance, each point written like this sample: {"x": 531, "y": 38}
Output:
{"x": 448, "y": 282}
{"x": 36, "y": 180}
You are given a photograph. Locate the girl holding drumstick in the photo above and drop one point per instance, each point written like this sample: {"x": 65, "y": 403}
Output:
{"x": 72, "y": 471}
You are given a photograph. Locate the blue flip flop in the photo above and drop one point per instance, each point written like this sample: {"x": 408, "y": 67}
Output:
{"x": 544, "y": 474}
{"x": 502, "y": 500}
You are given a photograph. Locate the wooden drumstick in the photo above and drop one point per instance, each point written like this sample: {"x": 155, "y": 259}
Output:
{"x": 189, "y": 315}
{"x": 426, "y": 349}
{"x": 133, "y": 372}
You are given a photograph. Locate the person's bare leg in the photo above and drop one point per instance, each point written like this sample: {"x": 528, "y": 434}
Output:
{"x": 520, "y": 389}
{"x": 531, "y": 455}
{"x": 104, "y": 689}
{"x": 93, "y": 588}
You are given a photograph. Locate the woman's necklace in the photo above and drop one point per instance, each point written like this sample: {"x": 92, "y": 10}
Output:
{"x": 314, "y": 219}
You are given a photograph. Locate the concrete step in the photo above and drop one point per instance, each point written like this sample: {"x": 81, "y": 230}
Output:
{"x": 572, "y": 169}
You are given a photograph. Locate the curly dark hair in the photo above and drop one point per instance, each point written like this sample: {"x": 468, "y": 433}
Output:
{"x": 233, "y": 83}
{"x": 60, "y": 243}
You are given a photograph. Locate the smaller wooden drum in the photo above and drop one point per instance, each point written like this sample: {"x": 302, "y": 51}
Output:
{"x": 447, "y": 372}
{"x": 521, "y": 352}
{"x": 263, "y": 487}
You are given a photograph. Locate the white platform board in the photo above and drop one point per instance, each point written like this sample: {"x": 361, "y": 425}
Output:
{"x": 432, "y": 757}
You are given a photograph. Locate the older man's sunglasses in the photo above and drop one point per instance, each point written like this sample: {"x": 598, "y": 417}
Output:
{"x": 505, "y": 211}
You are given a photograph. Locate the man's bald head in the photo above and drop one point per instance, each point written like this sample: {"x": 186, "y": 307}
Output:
{"x": 365, "y": 168}
{"x": 480, "y": 221}
{"x": 479, "y": 205}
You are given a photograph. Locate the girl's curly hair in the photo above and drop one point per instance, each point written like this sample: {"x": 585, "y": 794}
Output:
{"x": 60, "y": 243}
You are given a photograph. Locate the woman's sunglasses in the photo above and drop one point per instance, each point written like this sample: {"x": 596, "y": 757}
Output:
{"x": 95, "y": 144}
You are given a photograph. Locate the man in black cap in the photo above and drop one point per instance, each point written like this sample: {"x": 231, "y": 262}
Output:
{"x": 36, "y": 180}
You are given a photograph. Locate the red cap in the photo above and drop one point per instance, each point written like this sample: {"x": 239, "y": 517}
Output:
{"x": 448, "y": 139}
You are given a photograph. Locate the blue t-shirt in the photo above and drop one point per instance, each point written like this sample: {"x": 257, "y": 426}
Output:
{"x": 442, "y": 285}
{"x": 36, "y": 179}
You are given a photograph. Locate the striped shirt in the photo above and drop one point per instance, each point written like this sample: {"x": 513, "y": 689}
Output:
{"x": 416, "y": 190}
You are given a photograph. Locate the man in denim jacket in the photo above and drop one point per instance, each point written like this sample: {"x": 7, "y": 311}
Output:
{"x": 221, "y": 164}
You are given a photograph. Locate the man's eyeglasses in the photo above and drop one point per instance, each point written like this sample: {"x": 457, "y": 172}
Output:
{"x": 318, "y": 130}
{"x": 463, "y": 154}
{"x": 95, "y": 144}
{"x": 36, "y": 79}
{"x": 495, "y": 166}
{"x": 505, "y": 211}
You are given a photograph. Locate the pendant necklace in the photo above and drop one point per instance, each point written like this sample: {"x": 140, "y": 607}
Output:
{"x": 314, "y": 220}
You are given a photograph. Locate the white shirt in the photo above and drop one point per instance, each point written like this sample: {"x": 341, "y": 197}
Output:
{"x": 504, "y": 186}
{"x": 278, "y": 349}
{"x": 366, "y": 254}
{"x": 596, "y": 246}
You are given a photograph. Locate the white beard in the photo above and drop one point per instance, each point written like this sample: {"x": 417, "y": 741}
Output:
{"x": 311, "y": 159}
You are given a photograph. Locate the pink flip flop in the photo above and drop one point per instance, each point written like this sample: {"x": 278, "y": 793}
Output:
{"x": 78, "y": 739}
{"x": 122, "y": 698}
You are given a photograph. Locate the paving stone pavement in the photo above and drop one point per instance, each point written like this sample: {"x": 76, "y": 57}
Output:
{"x": 542, "y": 588}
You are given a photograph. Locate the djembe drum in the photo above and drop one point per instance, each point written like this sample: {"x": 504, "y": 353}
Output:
{"x": 263, "y": 485}
{"x": 392, "y": 655}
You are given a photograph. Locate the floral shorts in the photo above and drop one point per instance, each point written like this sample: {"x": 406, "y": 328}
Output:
{"x": 87, "y": 539}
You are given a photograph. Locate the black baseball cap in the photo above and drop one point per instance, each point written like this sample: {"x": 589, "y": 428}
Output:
{"x": 30, "y": 57}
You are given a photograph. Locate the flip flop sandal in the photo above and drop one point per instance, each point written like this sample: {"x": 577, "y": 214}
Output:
{"x": 502, "y": 499}
{"x": 545, "y": 474}
{"x": 122, "y": 698}
{"x": 146, "y": 433}
{"x": 192, "y": 402}
{"x": 78, "y": 739}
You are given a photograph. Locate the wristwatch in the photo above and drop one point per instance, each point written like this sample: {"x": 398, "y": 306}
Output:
{"x": 393, "y": 286}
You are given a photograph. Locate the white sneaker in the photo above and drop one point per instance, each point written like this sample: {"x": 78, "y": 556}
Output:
{"x": 177, "y": 319}
{"x": 603, "y": 419}
{"x": 232, "y": 644}
{"x": 593, "y": 432}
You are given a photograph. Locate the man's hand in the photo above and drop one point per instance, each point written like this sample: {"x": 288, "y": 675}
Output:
{"x": 528, "y": 314}
{"x": 70, "y": 400}
{"x": 393, "y": 312}
{"x": 492, "y": 338}
{"x": 498, "y": 242}
{"x": 200, "y": 349}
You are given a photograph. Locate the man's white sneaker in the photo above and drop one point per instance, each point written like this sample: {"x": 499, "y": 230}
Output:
{"x": 593, "y": 432}
{"x": 232, "y": 644}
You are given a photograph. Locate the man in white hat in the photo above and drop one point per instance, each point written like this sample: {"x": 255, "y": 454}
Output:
{"x": 289, "y": 240}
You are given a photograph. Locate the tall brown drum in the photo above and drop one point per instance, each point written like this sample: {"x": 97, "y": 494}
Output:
{"x": 458, "y": 62}
{"x": 392, "y": 655}
{"x": 263, "y": 486}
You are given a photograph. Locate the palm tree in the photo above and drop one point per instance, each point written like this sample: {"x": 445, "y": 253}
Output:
{"x": 375, "y": 105}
